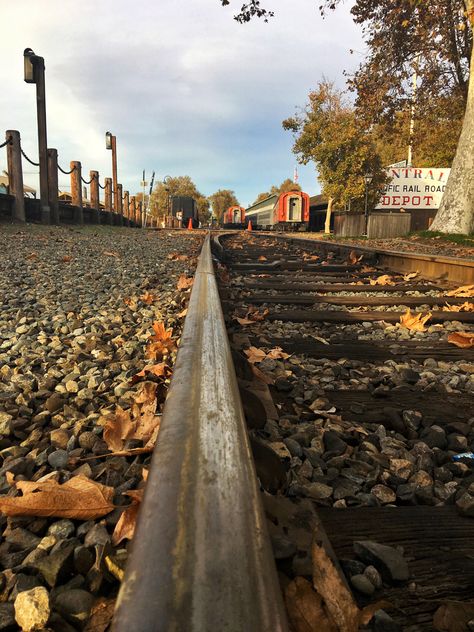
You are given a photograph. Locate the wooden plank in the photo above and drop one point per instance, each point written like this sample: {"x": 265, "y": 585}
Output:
{"x": 353, "y": 300}
{"x": 300, "y": 316}
{"x": 286, "y": 265}
{"x": 438, "y": 546}
{"x": 342, "y": 287}
{"x": 371, "y": 351}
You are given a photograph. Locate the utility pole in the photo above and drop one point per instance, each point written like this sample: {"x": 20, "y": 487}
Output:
{"x": 34, "y": 73}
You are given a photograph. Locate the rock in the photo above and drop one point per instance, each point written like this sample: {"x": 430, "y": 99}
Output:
{"x": 87, "y": 440}
{"x": 465, "y": 505}
{"x": 333, "y": 443}
{"x": 401, "y": 468}
{"x": 7, "y": 617}
{"x": 374, "y": 576}
{"x": 59, "y": 438}
{"x": 383, "y": 494}
{"x": 72, "y": 387}
{"x": 362, "y": 584}
{"x": 283, "y": 386}
{"x": 54, "y": 402}
{"x": 383, "y": 622}
{"x": 5, "y": 424}
{"x": 97, "y": 535}
{"x": 57, "y": 565}
{"x": 434, "y": 437}
{"x": 386, "y": 559}
{"x": 58, "y": 459}
{"x": 62, "y": 529}
{"x": 22, "y": 539}
{"x": 457, "y": 443}
{"x": 83, "y": 559}
{"x": 318, "y": 491}
{"x": 74, "y": 605}
{"x": 352, "y": 567}
{"x": 409, "y": 376}
{"x": 294, "y": 447}
{"x": 32, "y": 609}
{"x": 283, "y": 547}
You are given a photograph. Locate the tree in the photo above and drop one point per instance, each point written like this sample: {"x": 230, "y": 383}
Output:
{"x": 327, "y": 133}
{"x": 160, "y": 200}
{"x": 285, "y": 187}
{"x": 433, "y": 38}
{"x": 221, "y": 200}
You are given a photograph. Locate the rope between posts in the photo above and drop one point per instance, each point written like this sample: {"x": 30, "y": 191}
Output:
{"x": 86, "y": 181}
{"x": 7, "y": 142}
{"x": 100, "y": 186}
{"x": 66, "y": 173}
{"x": 35, "y": 164}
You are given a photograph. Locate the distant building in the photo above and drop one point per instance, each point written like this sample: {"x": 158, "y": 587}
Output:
{"x": 4, "y": 186}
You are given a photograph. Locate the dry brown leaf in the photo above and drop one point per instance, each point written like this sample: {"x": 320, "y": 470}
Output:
{"x": 125, "y": 527}
{"x": 262, "y": 258}
{"x": 131, "y": 302}
{"x": 148, "y": 298}
{"x": 158, "y": 370}
{"x": 463, "y": 291}
{"x": 410, "y": 275}
{"x": 385, "y": 279}
{"x": 101, "y": 615}
{"x": 32, "y": 256}
{"x": 277, "y": 354}
{"x": 131, "y": 452}
{"x": 79, "y": 498}
{"x": 353, "y": 258}
{"x": 118, "y": 429}
{"x": 367, "y": 269}
{"x": 306, "y": 609}
{"x": 177, "y": 257}
{"x": 254, "y": 354}
{"x": 415, "y": 321}
{"x": 185, "y": 282}
{"x": 462, "y": 339}
{"x": 160, "y": 343}
{"x": 110, "y": 254}
{"x": 245, "y": 321}
{"x": 453, "y": 616}
{"x": 183, "y": 313}
{"x": 66, "y": 259}
{"x": 465, "y": 307}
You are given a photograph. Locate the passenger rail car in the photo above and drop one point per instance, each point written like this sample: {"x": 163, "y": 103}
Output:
{"x": 234, "y": 217}
{"x": 286, "y": 211}
{"x": 183, "y": 209}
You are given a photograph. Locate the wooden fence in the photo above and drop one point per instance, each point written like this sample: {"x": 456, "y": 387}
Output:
{"x": 380, "y": 225}
{"x": 118, "y": 208}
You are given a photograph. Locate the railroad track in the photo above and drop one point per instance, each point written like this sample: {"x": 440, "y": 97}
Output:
{"x": 352, "y": 421}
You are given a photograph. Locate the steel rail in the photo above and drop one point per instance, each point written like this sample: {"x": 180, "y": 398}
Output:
{"x": 201, "y": 559}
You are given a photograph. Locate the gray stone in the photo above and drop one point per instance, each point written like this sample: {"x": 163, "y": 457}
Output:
{"x": 384, "y": 623}
{"x": 318, "y": 491}
{"x": 57, "y": 565}
{"x": 83, "y": 559}
{"x": 374, "y": 576}
{"x": 58, "y": 459}
{"x": 62, "y": 529}
{"x": 7, "y": 617}
{"x": 5, "y": 424}
{"x": 97, "y": 535}
{"x": 333, "y": 443}
{"x": 362, "y": 584}
{"x": 386, "y": 559}
{"x": 74, "y": 605}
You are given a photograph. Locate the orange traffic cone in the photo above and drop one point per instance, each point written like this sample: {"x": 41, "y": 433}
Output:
{"x": 249, "y": 225}
{"x": 190, "y": 224}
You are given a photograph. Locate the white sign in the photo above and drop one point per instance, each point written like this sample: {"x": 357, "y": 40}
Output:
{"x": 395, "y": 165}
{"x": 412, "y": 188}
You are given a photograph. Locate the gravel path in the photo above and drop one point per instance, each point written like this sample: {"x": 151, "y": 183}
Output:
{"x": 78, "y": 306}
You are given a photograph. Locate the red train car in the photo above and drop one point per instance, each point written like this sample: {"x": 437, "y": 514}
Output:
{"x": 282, "y": 212}
{"x": 234, "y": 217}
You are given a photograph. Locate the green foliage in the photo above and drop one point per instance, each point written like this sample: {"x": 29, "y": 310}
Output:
{"x": 462, "y": 240}
{"x": 327, "y": 133}
{"x": 221, "y": 200}
{"x": 285, "y": 187}
{"x": 178, "y": 185}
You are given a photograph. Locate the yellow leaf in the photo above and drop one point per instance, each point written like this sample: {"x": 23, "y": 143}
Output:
{"x": 410, "y": 275}
{"x": 463, "y": 339}
{"x": 414, "y": 322}
{"x": 464, "y": 290}
{"x": 185, "y": 282}
{"x": 255, "y": 355}
{"x": 385, "y": 279}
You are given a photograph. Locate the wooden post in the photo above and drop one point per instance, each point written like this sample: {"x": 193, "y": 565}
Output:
{"x": 126, "y": 206}
{"x": 108, "y": 199}
{"x": 53, "y": 185}
{"x": 42, "y": 138}
{"x": 140, "y": 214}
{"x": 133, "y": 209}
{"x": 327, "y": 223}
{"x": 15, "y": 175}
{"x": 76, "y": 191}
{"x": 119, "y": 208}
{"x": 95, "y": 203}
{"x": 114, "y": 175}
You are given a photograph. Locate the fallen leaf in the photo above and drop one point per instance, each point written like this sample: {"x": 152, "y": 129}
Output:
{"x": 160, "y": 343}
{"x": 254, "y": 354}
{"x": 101, "y": 615}
{"x": 245, "y": 321}
{"x": 66, "y": 259}
{"x": 131, "y": 452}
{"x": 353, "y": 258}
{"x": 367, "y": 269}
{"x": 262, "y": 258}
{"x": 464, "y": 290}
{"x": 465, "y": 307}
{"x": 183, "y": 313}
{"x": 125, "y": 527}
{"x": 463, "y": 339}
{"x": 118, "y": 428}
{"x": 177, "y": 257}
{"x": 158, "y": 370}
{"x": 415, "y": 321}
{"x": 32, "y": 256}
{"x": 79, "y": 498}
{"x": 148, "y": 298}
{"x": 131, "y": 302}
{"x": 385, "y": 279}
{"x": 277, "y": 354}
{"x": 319, "y": 339}
{"x": 410, "y": 275}
{"x": 305, "y": 608}
{"x": 110, "y": 254}
{"x": 185, "y": 282}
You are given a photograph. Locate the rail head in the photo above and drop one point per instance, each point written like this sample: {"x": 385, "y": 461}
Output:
{"x": 201, "y": 558}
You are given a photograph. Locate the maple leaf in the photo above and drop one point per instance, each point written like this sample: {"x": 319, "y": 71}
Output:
{"x": 277, "y": 353}
{"x": 79, "y": 498}
{"x": 465, "y": 307}
{"x": 131, "y": 302}
{"x": 185, "y": 282}
{"x": 463, "y": 339}
{"x": 148, "y": 298}
{"x": 415, "y": 321}
{"x": 100, "y": 615}
{"x": 385, "y": 279}
{"x": 66, "y": 259}
{"x": 463, "y": 291}
{"x": 125, "y": 527}
{"x": 158, "y": 370}
{"x": 410, "y": 275}
{"x": 353, "y": 258}
{"x": 254, "y": 354}
{"x": 160, "y": 343}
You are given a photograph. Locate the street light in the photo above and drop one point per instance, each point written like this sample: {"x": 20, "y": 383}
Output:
{"x": 368, "y": 177}
{"x": 111, "y": 143}
{"x": 166, "y": 182}
{"x": 34, "y": 73}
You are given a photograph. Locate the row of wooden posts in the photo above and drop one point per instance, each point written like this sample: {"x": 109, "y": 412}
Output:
{"x": 128, "y": 208}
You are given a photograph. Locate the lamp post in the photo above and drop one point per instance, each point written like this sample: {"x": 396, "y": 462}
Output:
{"x": 111, "y": 143}
{"x": 34, "y": 73}
{"x": 368, "y": 177}
{"x": 166, "y": 181}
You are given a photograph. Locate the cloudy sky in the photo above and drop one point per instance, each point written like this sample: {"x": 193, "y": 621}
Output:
{"x": 185, "y": 88}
